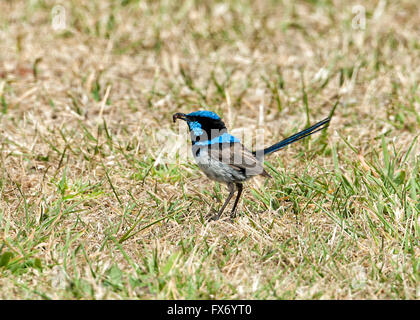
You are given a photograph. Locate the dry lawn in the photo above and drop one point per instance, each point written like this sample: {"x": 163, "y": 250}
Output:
{"x": 90, "y": 209}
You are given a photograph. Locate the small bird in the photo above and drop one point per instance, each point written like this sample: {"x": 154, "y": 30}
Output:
{"x": 223, "y": 158}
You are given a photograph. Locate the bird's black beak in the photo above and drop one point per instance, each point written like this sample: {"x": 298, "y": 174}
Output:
{"x": 178, "y": 115}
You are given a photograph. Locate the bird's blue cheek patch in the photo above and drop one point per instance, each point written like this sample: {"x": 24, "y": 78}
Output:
{"x": 195, "y": 127}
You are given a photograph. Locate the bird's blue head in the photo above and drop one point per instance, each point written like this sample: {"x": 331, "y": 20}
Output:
{"x": 202, "y": 124}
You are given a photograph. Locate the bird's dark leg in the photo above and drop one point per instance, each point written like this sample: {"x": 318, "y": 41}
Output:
{"x": 239, "y": 188}
{"x": 231, "y": 192}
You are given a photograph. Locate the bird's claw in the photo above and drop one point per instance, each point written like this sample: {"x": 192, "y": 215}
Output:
{"x": 214, "y": 217}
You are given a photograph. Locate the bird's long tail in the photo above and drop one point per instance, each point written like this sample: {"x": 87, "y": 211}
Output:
{"x": 296, "y": 137}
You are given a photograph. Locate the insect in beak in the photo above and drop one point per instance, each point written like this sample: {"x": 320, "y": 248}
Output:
{"x": 178, "y": 115}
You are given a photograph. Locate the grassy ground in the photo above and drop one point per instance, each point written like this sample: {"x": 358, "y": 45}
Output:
{"x": 90, "y": 209}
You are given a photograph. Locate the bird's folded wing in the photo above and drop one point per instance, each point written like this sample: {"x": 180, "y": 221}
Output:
{"x": 239, "y": 158}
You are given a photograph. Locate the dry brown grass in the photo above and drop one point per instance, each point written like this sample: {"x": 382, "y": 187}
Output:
{"x": 81, "y": 111}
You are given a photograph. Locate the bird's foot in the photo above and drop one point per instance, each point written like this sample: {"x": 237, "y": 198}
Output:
{"x": 232, "y": 216}
{"x": 214, "y": 217}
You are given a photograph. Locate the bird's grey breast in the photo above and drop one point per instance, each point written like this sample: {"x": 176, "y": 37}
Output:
{"x": 216, "y": 169}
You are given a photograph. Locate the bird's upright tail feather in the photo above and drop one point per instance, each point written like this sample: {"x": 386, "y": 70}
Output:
{"x": 296, "y": 137}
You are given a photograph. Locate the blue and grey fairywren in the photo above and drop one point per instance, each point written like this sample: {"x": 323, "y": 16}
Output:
{"x": 222, "y": 156}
